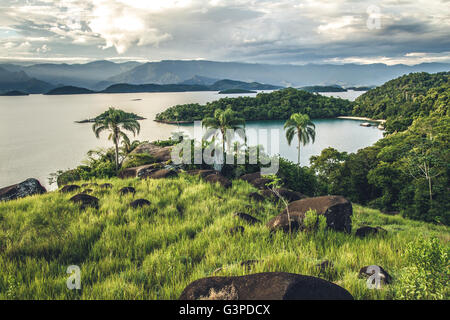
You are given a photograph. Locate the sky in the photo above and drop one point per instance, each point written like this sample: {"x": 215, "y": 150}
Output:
{"x": 254, "y": 31}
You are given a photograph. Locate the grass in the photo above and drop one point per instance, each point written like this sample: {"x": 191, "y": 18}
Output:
{"x": 154, "y": 252}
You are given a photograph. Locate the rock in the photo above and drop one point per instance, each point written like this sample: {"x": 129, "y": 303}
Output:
{"x": 92, "y": 184}
{"x": 160, "y": 174}
{"x": 385, "y": 277}
{"x": 265, "y": 286}
{"x": 217, "y": 178}
{"x": 249, "y": 177}
{"x": 138, "y": 171}
{"x": 127, "y": 190}
{"x": 287, "y": 194}
{"x": 70, "y": 188}
{"x": 336, "y": 209}
{"x": 246, "y": 217}
{"x": 201, "y": 173}
{"x": 106, "y": 186}
{"x": 26, "y": 188}
{"x": 260, "y": 183}
{"x": 367, "y": 231}
{"x": 256, "y": 197}
{"x": 235, "y": 230}
{"x": 139, "y": 203}
{"x": 158, "y": 154}
{"x": 85, "y": 200}
{"x": 87, "y": 191}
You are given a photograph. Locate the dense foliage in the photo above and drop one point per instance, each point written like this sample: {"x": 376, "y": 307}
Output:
{"x": 401, "y": 100}
{"x": 277, "y": 105}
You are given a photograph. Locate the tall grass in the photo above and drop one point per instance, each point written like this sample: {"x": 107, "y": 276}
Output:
{"x": 155, "y": 251}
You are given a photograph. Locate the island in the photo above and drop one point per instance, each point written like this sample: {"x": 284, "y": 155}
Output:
{"x": 69, "y": 90}
{"x": 236, "y": 91}
{"x": 14, "y": 93}
{"x": 332, "y": 88}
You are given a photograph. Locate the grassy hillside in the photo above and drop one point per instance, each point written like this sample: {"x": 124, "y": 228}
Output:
{"x": 154, "y": 252}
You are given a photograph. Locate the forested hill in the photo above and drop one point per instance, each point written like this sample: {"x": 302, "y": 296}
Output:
{"x": 277, "y": 105}
{"x": 401, "y": 100}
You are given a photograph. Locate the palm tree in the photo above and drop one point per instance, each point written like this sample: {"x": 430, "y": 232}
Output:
{"x": 223, "y": 120}
{"x": 302, "y": 126}
{"x": 115, "y": 121}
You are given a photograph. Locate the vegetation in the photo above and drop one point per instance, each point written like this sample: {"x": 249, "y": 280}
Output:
{"x": 155, "y": 251}
{"x": 300, "y": 125}
{"x": 115, "y": 121}
{"x": 406, "y": 98}
{"x": 277, "y": 105}
{"x": 334, "y": 88}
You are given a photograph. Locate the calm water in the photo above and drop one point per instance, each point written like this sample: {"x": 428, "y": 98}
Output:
{"x": 38, "y": 135}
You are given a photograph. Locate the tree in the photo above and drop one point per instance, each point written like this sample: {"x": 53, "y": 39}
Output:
{"x": 223, "y": 120}
{"x": 116, "y": 121}
{"x": 302, "y": 126}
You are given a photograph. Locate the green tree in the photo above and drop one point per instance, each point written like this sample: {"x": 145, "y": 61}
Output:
{"x": 223, "y": 120}
{"x": 116, "y": 122}
{"x": 302, "y": 126}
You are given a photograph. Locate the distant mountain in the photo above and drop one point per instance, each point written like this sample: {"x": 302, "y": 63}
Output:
{"x": 203, "y": 81}
{"x": 69, "y": 90}
{"x": 81, "y": 75}
{"x": 174, "y": 71}
{"x": 20, "y": 81}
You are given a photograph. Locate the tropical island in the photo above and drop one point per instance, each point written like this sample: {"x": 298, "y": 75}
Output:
{"x": 236, "y": 91}
{"x": 14, "y": 93}
{"x": 186, "y": 222}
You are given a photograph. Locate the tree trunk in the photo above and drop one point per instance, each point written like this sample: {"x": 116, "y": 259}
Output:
{"x": 298, "y": 147}
{"x": 116, "y": 143}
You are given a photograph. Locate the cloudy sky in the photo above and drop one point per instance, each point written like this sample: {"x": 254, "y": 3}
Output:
{"x": 268, "y": 31}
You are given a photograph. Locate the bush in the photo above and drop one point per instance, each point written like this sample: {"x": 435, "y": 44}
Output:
{"x": 429, "y": 275}
{"x": 301, "y": 179}
{"x": 314, "y": 222}
{"x": 138, "y": 159}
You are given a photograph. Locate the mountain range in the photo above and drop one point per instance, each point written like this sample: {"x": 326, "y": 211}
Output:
{"x": 99, "y": 75}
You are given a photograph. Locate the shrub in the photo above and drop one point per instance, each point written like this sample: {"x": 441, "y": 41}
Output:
{"x": 314, "y": 222}
{"x": 428, "y": 276}
{"x": 138, "y": 159}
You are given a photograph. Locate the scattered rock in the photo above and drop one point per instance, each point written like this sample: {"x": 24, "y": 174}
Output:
{"x": 158, "y": 154}
{"x": 249, "y": 177}
{"x": 70, "y": 188}
{"x": 127, "y": 190}
{"x": 256, "y": 197}
{"x": 367, "y": 231}
{"x": 87, "y": 191}
{"x": 138, "y": 171}
{"x": 85, "y": 200}
{"x": 385, "y": 277}
{"x": 246, "y": 217}
{"x": 235, "y": 230}
{"x": 26, "y": 188}
{"x": 201, "y": 173}
{"x": 336, "y": 209}
{"x": 139, "y": 203}
{"x": 106, "y": 186}
{"x": 91, "y": 184}
{"x": 265, "y": 286}
{"x": 260, "y": 183}
{"x": 217, "y": 178}
{"x": 287, "y": 194}
{"x": 159, "y": 174}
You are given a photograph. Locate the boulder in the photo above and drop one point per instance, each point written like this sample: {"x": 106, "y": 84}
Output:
{"x": 246, "y": 217}
{"x": 201, "y": 173}
{"x": 264, "y": 286}
{"x": 138, "y": 171}
{"x": 235, "y": 230}
{"x": 367, "y": 231}
{"x": 87, "y": 191}
{"x": 127, "y": 190}
{"x": 26, "y": 188}
{"x": 385, "y": 277}
{"x": 287, "y": 194}
{"x": 336, "y": 209}
{"x": 249, "y": 177}
{"x": 91, "y": 184}
{"x": 70, "y": 188}
{"x": 159, "y": 154}
{"x": 139, "y": 203}
{"x": 217, "y": 178}
{"x": 255, "y": 196}
{"x": 260, "y": 183}
{"x": 85, "y": 200}
{"x": 106, "y": 186}
{"x": 159, "y": 174}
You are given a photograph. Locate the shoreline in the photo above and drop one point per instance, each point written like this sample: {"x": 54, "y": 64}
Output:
{"x": 361, "y": 118}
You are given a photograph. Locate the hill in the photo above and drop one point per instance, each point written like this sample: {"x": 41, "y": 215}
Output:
{"x": 14, "y": 93}
{"x": 20, "y": 81}
{"x": 333, "y": 88}
{"x": 153, "y": 252}
{"x": 69, "y": 90}
{"x": 277, "y": 105}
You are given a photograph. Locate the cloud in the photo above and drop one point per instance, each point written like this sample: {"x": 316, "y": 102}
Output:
{"x": 275, "y": 31}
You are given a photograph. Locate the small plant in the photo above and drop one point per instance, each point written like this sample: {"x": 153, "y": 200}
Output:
{"x": 314, "y": 222}
{"x": 428, "y": 276}
{"x": 274, "y": 186}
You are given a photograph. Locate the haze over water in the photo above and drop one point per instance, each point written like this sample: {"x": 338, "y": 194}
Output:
{"x": 39, "y": 136}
